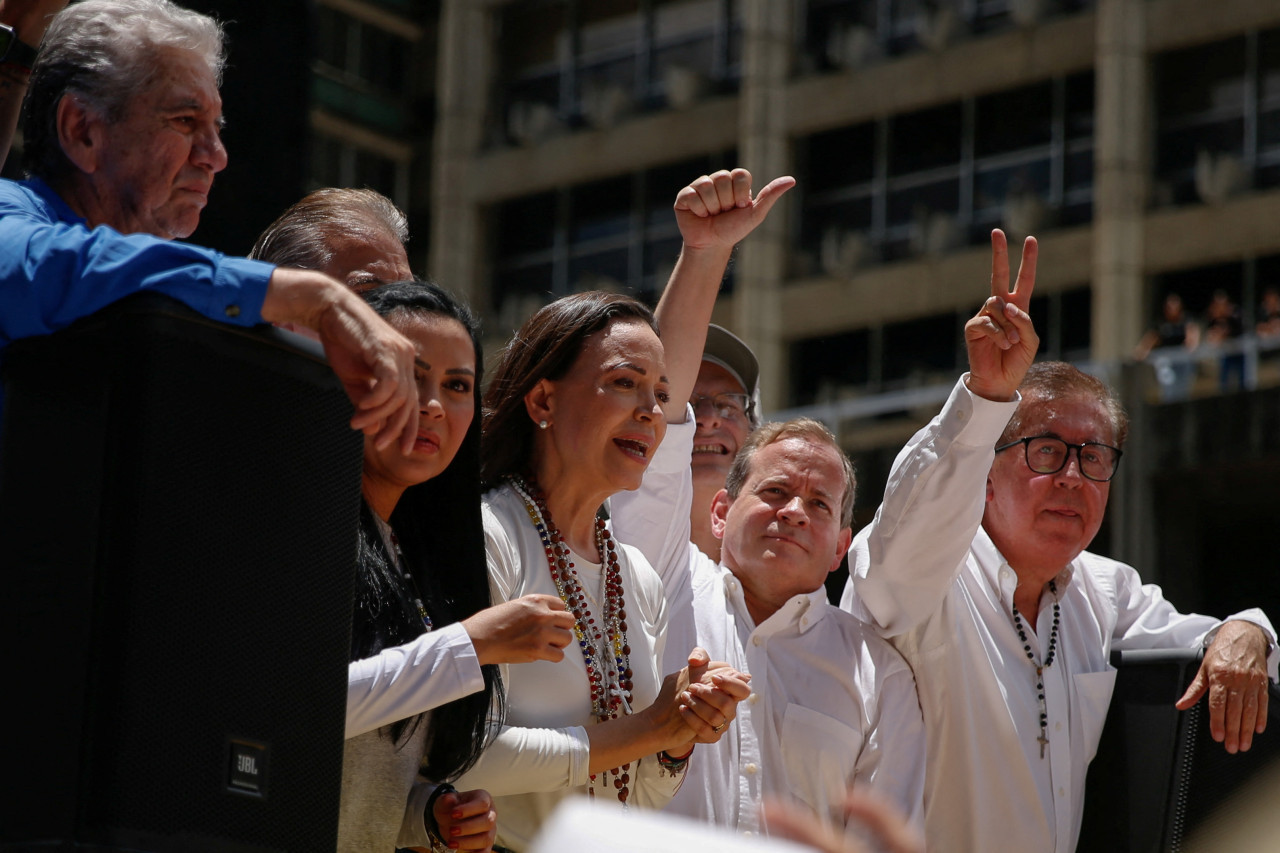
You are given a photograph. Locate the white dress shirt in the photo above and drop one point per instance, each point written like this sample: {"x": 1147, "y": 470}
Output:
{"x": 931, "y": 578}
{"x": 831, "y": 702}
{"x": 541, "y": 755}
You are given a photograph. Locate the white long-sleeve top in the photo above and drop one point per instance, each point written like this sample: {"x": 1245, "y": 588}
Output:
{"x": 402, "y": 681}
{"x": 382, "y": 799}
{"x": 541, "y": 755}
{"x": 930, "y": 577}
{"x": 831, "y": 703}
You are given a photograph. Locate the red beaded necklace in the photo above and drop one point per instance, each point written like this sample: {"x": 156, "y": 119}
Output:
{"x": 604, "y": 642}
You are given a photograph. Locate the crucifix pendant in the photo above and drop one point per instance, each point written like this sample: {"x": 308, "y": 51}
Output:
{"x": 1043, "y": 743}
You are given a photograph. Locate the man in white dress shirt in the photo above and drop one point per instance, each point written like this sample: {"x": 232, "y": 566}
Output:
{"x": 975, "y": 567}
{"x": 831, "y": 702}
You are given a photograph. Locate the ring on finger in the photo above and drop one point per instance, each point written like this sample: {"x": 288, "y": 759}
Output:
{"x": 718, "y": 729}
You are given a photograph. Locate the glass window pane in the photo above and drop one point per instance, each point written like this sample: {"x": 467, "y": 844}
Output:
{"x": 600, "y": 209}
{"x": 991, "y": 186}
{"x": 1076, "y": 322}
{"x": 1012, "y": 120}
{"x": 600, "y": 271}
{"x": 376, "y": 172}
{"x": 516, "y": 288}
{"x": 1080, "y": 94}
{"x": 919, "y": 351}
{"x": 526, "y": 225}
{"x": 837, "y": 158}
{"x": 820, "y": 366}
{"x": 1200, "y": 79}
{"x": 907, "y": 205}
{"x": 925, "y": 139}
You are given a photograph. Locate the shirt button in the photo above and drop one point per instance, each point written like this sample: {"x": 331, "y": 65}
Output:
{"x": 1057, "y": 727}
{"x": 751, "y": 769}
{"x": 1062, "y": 792}
{"x": 753, "y": 698}
{"x": 755, "y": 641}
{"x": 233, "y": 310}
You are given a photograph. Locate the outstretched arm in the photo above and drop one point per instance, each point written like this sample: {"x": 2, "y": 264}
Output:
{"x": 902, "y": 564}
{"x": 714, "y": 213}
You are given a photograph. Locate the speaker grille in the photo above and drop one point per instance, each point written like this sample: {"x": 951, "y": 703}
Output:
{"x": 222, "y": 590}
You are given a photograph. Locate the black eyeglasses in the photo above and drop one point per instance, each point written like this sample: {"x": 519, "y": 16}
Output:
{"x": 1048, "y": 454}
{"x": 728, "y": 406}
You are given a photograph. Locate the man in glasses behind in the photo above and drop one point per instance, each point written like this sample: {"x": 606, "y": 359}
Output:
{"x": 975, "y": 568}
{"x": 725, "y": 409}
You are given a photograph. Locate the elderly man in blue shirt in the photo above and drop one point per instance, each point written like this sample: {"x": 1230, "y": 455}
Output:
{"x": 122, "y": 128}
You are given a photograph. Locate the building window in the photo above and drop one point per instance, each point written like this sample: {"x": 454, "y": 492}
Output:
{"x": 851, "y": 34}
{"x": 1218, "y": 119}
{"x": 573, "y": 63}
{"x": 616, "y": 234}
{"x": 363, "y": 69}
{"x": 927, "y": 182}
{"x": 338, "y": 159}
{"x": 922, "y": 351}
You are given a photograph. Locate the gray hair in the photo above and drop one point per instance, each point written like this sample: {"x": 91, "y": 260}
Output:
{"x": 105, "y": 52}
{"x": 300, "y": 237}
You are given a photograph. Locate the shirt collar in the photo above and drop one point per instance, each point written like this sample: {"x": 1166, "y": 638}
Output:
{"x": 50, "y": 197}
{"x": 802, "y": 612}
{"x": 999, "y": 575}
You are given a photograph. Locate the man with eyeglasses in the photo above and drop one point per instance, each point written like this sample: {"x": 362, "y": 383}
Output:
{"x": 975, "y": 568}
{"x": 725, "y": 410}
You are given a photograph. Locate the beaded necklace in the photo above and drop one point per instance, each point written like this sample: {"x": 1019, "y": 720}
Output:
{"x": 603, "y": 642}
{"x": 1041, "y": 667}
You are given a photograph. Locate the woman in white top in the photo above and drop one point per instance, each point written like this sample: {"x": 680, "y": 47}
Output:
{"x": 424, "y": 641}
{"x": 573, "y": 415}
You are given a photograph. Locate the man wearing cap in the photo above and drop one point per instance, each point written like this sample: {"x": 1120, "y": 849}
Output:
{"x": 726, "y": 407}
{"x": 832, "y": 703}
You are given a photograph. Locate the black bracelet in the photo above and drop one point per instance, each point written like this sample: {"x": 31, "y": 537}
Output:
{"x": 672, "y": 764}
{"x": 429, "y": 813}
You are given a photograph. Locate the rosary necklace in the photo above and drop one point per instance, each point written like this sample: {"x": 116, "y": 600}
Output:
{"x": 603, "y": 641}
{"x": 1041, "y": 667}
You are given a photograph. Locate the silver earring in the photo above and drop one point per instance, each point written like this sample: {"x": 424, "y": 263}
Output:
{"x": 543, "y": 424}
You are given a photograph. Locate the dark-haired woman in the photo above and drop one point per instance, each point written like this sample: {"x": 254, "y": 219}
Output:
{"x": 573, "y": 415}
{"x": 424, "y": 640}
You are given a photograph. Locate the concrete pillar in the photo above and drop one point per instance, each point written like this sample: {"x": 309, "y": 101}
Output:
{"x": 1122, "y": 130}
{"x": 1121, "y": 169}
{"x": 466, "y": 59}
{"x": 764, "y": 149}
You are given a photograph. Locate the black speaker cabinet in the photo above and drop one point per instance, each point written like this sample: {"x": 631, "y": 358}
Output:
{"x": 178, "y": 510}
{"x": 1159, "y": 773}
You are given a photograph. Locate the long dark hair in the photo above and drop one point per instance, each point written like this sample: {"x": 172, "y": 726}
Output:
{"x": 437, "y": 523}
{"x": 545, "y": 348}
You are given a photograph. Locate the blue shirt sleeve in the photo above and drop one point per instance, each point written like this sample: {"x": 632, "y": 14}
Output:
{"x": 55, "y": 270}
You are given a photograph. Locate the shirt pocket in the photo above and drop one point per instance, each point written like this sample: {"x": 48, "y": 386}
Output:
{"x": 820, "y": 754}
{"x": 1093, "y": 698}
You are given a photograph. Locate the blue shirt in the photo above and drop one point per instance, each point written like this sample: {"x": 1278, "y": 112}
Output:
{"x": 54, "y": 269}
